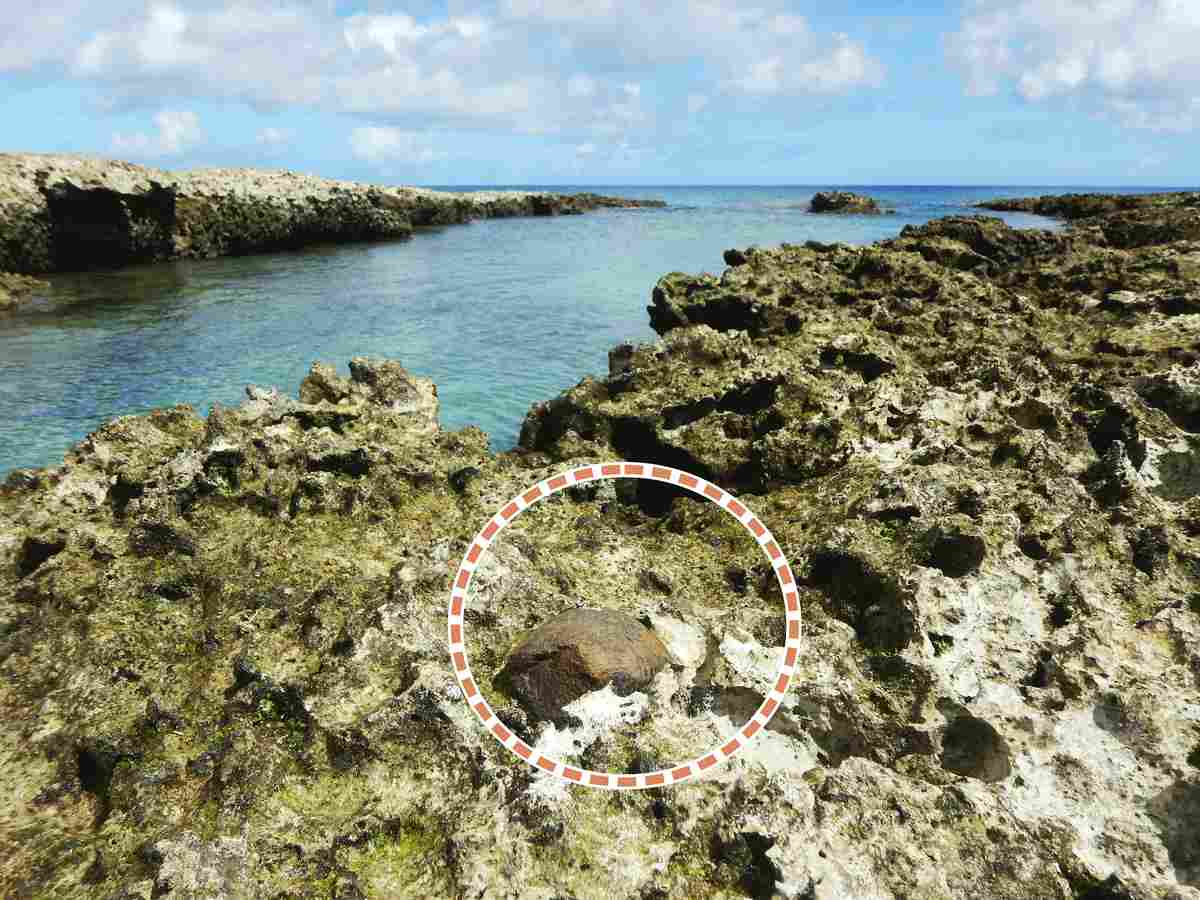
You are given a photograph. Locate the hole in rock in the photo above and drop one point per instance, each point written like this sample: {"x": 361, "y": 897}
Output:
{"x": 1031, "y": 545}
{"x": 35, "y": 551}
{"x": 868, "y": 365}
{"x": 957, "y": 555}
{"x": 972, "y": 747}
{"x": 872, "y": 604}
{"x": 1118, "y": 424}
{"x": 746, "y": 853}
{"x": 746, "y": 399}
{"x": 95, "y": 766}
{"x": 637, "y": 440}
{"x": 99, "y": 228}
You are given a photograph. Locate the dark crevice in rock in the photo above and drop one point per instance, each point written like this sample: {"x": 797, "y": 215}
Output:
{"x": 956, "y": 554}
{"x": 460, "y": 478}
{"x": 941, "y": 643}
{"x": 746, "y": 854}
{"x": 1117, "y": 424}
{"x": 637, "y": 440}
{"x": 746, "y": 399}
{"x": 1084, "y": 887}
{"x": 1149, "y": 545}
{"x": 1062, "y": 611}
{"x": 277, "y": 702}
{"x": 868, "y": 365}
{"x": 1161, "y": 394}
{"x": 863, "y": 598}
{"x": 157, "y": 539}
{"x": 1031, "y": 545}
{"x": 1040, "y": 676}
{"x": 95, "y": 764}
{"x": 355, "y": 463}
{"x": 225, "y": 465}
{"x": 1032, "y": 414}
{"x": 122, "y": 492}
{"x": 335, "y": 420}
{"x": 725, "y": 312}
{"x": 99, "y": 228}
{"x": 972, "y": 747}
{"x": 36, "y": 550}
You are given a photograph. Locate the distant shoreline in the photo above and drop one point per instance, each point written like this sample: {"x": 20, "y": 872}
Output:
{"x": 72, "y": 213}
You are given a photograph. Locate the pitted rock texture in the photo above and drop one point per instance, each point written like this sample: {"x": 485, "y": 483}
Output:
{"x": 69, "y": 213}
{"x": 578, "y": 651}
{"x": 843, "y": 202}
{"x": 223, "y": 666}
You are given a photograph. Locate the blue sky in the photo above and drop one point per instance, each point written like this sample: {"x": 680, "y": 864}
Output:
{"x": 612, "y": 92}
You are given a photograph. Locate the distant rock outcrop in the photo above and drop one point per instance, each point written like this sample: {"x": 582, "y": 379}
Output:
{"x": 66, "y": 213}
{"x": 843, "y": 202}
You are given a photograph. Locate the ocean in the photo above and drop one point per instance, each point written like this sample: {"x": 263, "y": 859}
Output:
{"x": 499, "y": 313}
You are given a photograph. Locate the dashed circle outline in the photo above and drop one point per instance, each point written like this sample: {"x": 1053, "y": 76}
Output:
{"x": 608, "y": 780}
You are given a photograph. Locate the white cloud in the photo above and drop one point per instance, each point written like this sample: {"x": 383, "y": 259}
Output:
{"x": 159, "y": 42}
{"x": 177, "y": 131}
{"x": 1136, "y": 59}
{"x": 379, "y": 144}
{"x": 584, "y": 150}
{"x": 581, "y": 86}
{"x": 846, "y": 65}
{"x": 392, "y": 33}
{"x": 497, "y": 66}
{"x": 273, "y": 137}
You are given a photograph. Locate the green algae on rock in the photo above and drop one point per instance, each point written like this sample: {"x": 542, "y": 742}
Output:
{"x": 222, "y": 640}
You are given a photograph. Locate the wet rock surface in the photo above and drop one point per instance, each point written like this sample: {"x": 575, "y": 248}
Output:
{"x": 222, "y": 640}
{"x": 66, "y": 213}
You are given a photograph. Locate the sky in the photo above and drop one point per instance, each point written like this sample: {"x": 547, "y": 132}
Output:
{"x": 997, "y": 92}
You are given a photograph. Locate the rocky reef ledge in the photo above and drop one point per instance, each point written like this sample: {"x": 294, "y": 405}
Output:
{"x": 843, "y": 202}
{"x": 222, "y": 661}
{"x": 67, "y": 213}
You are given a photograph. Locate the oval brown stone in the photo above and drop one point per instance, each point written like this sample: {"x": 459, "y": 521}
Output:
{"x": 578, "y": 651}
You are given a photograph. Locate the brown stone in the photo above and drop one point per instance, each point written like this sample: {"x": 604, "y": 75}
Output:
{"x": 578, "y": 651}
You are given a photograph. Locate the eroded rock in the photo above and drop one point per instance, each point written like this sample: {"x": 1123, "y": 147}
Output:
{"x": 578, "y": 651}
{"x": 843, "y": 202}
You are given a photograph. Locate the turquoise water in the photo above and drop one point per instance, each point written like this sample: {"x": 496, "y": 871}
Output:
{"x": 499, "y": 313}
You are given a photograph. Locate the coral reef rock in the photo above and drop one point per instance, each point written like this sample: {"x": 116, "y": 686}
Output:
{"x": 843, "y": 202}
{"x": 223, "y": 668}
{"x": 70, "y": 213}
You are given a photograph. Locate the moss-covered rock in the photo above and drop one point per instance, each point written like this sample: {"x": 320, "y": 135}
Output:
{"x": 222, "y": 640}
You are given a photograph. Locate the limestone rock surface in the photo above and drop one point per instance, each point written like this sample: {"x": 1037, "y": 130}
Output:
{"x": 69, "y": 213}
{"x": 223, "y": 661}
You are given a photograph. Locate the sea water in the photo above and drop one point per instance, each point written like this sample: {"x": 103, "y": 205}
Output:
{"x": 499, "y": 313}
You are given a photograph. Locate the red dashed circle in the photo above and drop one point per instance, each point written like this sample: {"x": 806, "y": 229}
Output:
{"x": 650, "y": 472}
